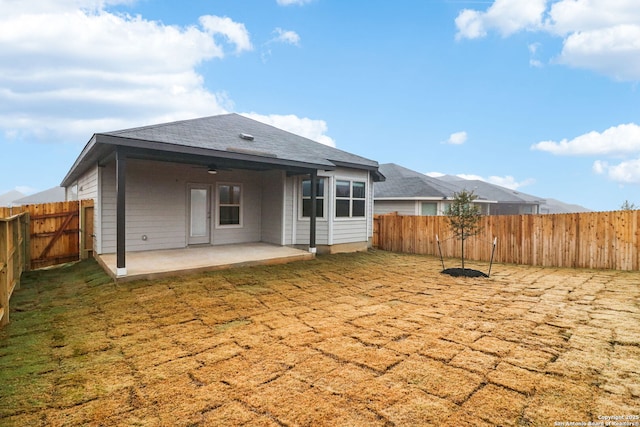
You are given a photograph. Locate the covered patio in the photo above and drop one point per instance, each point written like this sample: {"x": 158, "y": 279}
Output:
{"x": 171, "y": 262}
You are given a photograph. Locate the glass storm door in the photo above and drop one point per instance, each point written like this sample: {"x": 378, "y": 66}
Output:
{"x": 199, "y": 214}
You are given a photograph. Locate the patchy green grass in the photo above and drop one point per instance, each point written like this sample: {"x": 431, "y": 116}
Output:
{"x": 354, "y": 339}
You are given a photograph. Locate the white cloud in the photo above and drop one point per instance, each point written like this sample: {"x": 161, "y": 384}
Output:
{"x": 504, "y": 181}
{"x": 622, "y": 139}
{"x": 236, "y": 33}
{"x": 613, "y": 51}
{"x": 600, "y": 35}
{"x": 98, "y": 71}
{"x": 435, "y": 174}
{"x": 509, "y": 181}
{"x": 308, "y": 128}
{"x": 457, "y": 138}
{"x": 600, "y": 167}
{"x": 621, "y": 142}
{"x": 533, "y": 51}
{"x": 291, "y": 2}
{"x": 625, "y": 172}
{"x": 570, "y": 16}
{"x": 504, "y": 16}
{"x": 286, "y": 36}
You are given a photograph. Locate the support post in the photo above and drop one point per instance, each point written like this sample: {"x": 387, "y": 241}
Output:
{"x": 121, "y": 168}
{"x": 312, "y": 218}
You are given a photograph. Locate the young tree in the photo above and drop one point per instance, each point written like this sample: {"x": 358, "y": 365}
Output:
{"x": 463, "y": 217}
{"x": 628, "y": 206}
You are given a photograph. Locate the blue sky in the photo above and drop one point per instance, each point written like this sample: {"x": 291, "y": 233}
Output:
{"x": 541, "y": 96}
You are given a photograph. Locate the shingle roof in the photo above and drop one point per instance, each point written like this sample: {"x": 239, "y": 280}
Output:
{"x": 222, "y": 133}
{"x": 222, "y": 137}
{"x": 405, "y": 183}
{"x": 488, "y": 191}
{"x": 55, "y": 194}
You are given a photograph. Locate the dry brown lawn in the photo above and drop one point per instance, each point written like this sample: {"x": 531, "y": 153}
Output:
{"x": 355, "y": 340}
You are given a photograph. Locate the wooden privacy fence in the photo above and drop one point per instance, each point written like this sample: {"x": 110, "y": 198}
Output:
{"x": 14, "y": 258}
{"x": 598, "y": 240}
{"x": 60, "y": 232}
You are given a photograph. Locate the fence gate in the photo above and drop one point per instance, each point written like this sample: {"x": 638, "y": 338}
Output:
{"x": 56, "y": 234}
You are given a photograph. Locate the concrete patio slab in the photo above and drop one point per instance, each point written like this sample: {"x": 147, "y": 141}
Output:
{"x": 171, "y": 262}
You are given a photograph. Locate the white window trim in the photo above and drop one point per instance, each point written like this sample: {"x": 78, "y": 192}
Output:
{"x": 217, "y": 211}
{"x": 351, "y": 198}
{"x": 324, "y": 217}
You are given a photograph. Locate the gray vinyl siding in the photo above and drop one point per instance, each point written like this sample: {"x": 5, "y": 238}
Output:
{"x": 88, "y": 185}
{"x": 251, "y": 210}
{"x": 156, "y": 205}
{"x": 402, "y": 207}
{"x": 303, "y": 232}
{"x": 289, "y": 221}
{"x": 303, "y": 225}
{"x": 106, "y": 236}
{"x": 272, "y": 204}
{"x": 370, "y": 208}
{"x": 350, "y": 230}
{"x": 88, "y": 190}
{"x": 331, "y": 230}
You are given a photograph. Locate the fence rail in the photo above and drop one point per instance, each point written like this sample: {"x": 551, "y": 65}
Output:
{"x": 14, "y": 258}
{"x": 598, "y": 240}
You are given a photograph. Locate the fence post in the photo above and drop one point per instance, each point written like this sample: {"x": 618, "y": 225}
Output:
{"x": 4, "y": 273}
{"x": 26, "y": 230}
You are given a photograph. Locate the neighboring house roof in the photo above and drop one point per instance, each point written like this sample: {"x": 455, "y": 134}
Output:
{"x": 487, "y": 191}
{"x": 402, "y": 183}
{"x": 405, "y": 183}
{"x": 55, "y": 194}
{"x": 6, "y": 199}
{"x": 231, "y": 140}
{"x": 553, "y": 206}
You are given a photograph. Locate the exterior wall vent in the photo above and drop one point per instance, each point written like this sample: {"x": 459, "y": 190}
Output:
{"x": 246, "y": 136}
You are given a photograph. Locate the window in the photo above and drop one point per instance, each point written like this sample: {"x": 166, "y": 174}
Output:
{"x": 429, "y": 209}
{"x": 229, "y": 202}
{"x": 306, "y": 198}
{"x": 350, "y": 199}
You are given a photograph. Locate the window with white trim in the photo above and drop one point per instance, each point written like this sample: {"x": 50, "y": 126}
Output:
{"x": 429, "y": 209}
{"x": 350, "y": 199}
{"x": 229, "y": 204}
{"x": 306, "y": 198}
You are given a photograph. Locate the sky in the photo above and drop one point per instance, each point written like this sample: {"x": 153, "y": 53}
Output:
{"x": 540, "y": 95}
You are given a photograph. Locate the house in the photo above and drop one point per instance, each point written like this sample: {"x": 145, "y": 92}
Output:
{"x": 408, "y": 192}
{"x": 52, "y": 195}
{"x": 506, "y": 201}
{"x": 6, "y": 199}
{"x": 222, "y": 180}
{"x": 553, "y": 206}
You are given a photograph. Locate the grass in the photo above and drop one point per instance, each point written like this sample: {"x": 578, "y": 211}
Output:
{"x": 354, "y": 339}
